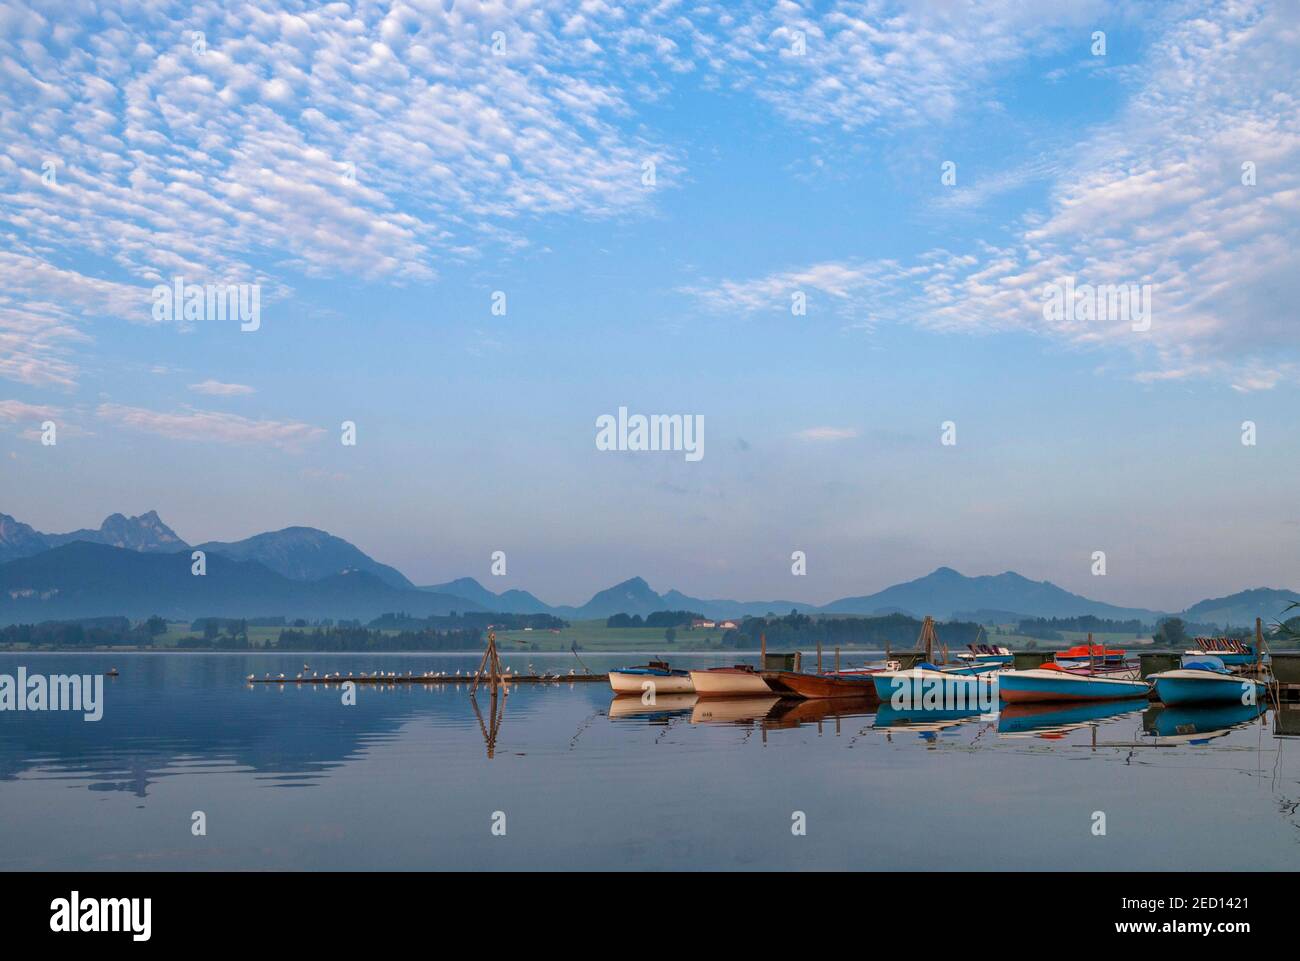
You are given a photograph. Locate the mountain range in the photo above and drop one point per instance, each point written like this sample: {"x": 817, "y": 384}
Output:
{"x": 138, "y": 566}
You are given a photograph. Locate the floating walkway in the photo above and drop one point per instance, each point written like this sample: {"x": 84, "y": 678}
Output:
{"x": 380, "y": 678}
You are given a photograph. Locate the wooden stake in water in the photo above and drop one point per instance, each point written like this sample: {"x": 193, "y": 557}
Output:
{"x": 489, "y": 668}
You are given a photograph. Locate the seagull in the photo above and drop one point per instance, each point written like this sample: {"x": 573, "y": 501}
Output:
{"x": 250, "y": 677}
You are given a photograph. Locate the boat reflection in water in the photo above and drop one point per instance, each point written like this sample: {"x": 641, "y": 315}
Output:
{"x": 1051, "y": 721}
{"x": 926, "y": 724}
{"x": 1197, "y": 724}
{"x": 790, "y": 713}
{"x": 665, "y": 705}
{"x": 732, "y": 710}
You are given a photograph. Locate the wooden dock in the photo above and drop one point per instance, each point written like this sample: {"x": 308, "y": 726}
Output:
{"x": 422, "y": 679}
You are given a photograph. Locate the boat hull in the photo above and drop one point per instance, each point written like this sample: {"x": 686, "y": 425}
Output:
{"x": 635, "y": 683}
{"x": 1207, "y": 687}
{"x": 929, "y": 690}
{"x": 1019, "y": 687}
{"x": 823, "y": 685}
{"x": 729, "y": 683}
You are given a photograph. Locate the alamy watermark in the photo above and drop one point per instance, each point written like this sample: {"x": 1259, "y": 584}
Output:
{"x": 1130, "y": 303}
{"x": 193, "y": 302}
{"x": 942, "y": 693}
{"x": 639, "y": 432}
{"x": 75, "y": 914}
{"x": 56, "y": 692}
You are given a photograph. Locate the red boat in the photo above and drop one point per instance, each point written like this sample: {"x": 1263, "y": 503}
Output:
{"x": 1085, "y": 653}
{"x": 855, "y": 683}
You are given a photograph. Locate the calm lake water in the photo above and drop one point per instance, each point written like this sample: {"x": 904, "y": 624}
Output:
{"x": 290, "y": 778}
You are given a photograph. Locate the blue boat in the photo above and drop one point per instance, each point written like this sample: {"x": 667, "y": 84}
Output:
{"x": 1051, "y": 682}
{"x": 1205, "y": 680}
{"x": 1230, "y": 650}
{"x": 930, "y": 688}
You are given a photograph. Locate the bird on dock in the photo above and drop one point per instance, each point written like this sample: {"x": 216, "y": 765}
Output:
{"x": 250, "y": 677}
{"x": 282, "y": 677}
{"x": 305, "y": 667}
{"x": 299, "y": 677}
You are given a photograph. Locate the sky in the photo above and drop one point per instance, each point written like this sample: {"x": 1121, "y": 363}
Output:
{"x": 647, "y": 189}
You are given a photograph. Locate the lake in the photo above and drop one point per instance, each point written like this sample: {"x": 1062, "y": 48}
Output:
{"x": 288, "y": 777}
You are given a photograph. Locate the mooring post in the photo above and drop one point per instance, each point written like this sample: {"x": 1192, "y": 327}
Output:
{"x": 762, "y": 651}
{"x": 819, "y": 656}
{"x": 837, "y": 660}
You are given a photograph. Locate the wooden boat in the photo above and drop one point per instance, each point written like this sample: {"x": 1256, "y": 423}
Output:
{"x": 1089, "y": 653}
{"x": 661, "y": 678}
{"x": 1052, "y": 682}
{"x": 739, "y": 681}
{"x": 1229, "y": 650}
{"x": 855, "y": 683}
{"x": 1206, "y": 680}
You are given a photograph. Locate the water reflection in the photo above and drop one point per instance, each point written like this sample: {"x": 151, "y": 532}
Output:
{"x": 665, "y": 705}
{"x": 927, "y": 725}
{"x": 1054, "y": 721}
{"x": 732, "y": 710}
{"x": 1197, "y": 724}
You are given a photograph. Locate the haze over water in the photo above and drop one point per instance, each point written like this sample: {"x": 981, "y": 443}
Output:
{"x": 289, "y": 778}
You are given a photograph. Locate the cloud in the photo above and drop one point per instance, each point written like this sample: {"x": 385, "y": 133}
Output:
{"x": 199, "y": 425}
{"x": 887, "y": 63}
{"x": 1156, "y": 198}
{"x": 16, "y": 411}
{"x": 827, "y": 433}
{"x": 216, "y": 388}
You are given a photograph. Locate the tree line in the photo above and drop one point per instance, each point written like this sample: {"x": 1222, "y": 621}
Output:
{"x": 897, "y": 631}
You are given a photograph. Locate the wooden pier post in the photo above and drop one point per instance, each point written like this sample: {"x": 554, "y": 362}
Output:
{"x": 762, "y": 651}
{"x": 837, "y": 660}
{"x": 819, "y": 656}
{"x": 489, "y": 668}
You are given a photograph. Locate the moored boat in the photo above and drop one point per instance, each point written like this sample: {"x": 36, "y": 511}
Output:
{"x": 656, "y": 676}
{"x": 1053, "y": 682}
{"x": 1205, "y": 680}
{"x": 1229, "y": 650}
{"x": 1082, "y": 654}
{"x": 738, "y": 681}
{"x": 987, "y": 654}
{"x": 925, "y": 687}
{"x": 855, "y": 683}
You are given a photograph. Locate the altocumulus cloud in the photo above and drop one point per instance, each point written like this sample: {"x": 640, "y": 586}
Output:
{"x": 216, "y": 388}
{"x": 202, "y": 425}
{"x": 1156, "y": 197}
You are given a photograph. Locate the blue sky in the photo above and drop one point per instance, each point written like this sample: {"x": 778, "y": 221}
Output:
{"x": 774, "y": 173}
